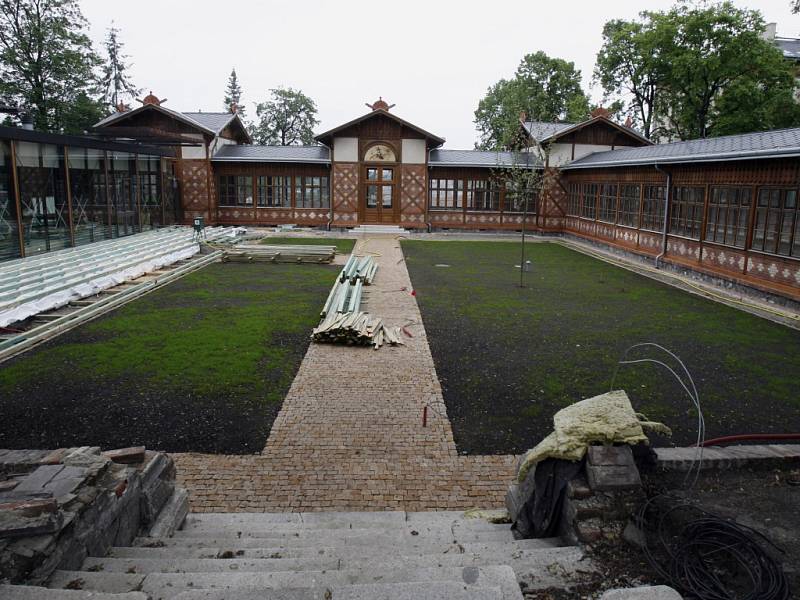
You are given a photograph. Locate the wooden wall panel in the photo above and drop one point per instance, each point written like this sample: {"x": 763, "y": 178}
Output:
{"x": 413, "y": 195}
{"x": 344, "y": 191}
{"x": 196, "y": 197}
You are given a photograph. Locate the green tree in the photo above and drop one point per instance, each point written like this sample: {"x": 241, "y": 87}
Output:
{"x": 628, "y": 67}
{"x": 287, "y": 118}
{"x": 115, "y": 81}
{"x": 233, "y": 94}
{"x": 543, "y": 88}
{"x": 81, "y": 113}
{"x": 46, "y": 58}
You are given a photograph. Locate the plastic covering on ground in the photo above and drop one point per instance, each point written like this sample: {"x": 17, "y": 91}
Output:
{"x": 90, "y": 288}
{"x": 607, "y": 419}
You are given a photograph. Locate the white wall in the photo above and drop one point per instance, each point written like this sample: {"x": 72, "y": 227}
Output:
{"x": 193, "y": 152}
{"x": 582, "y": 150}
{"x": 561, "y": 154}
{"x": 345, "y": 149}
{"x": 414, "y": 152}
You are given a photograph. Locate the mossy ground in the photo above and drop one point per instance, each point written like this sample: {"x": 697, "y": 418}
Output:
{"x": 202, "y": 364}
{"x": 510, "y": 357}
{"x": 343, "y": 246}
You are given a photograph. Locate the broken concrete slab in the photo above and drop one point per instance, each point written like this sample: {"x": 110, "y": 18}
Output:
{"x": 656, "y": 592}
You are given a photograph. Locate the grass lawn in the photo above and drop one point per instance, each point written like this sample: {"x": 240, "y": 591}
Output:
{"x": 343, "y": 246}
{"x": 508, "y": 358}
{"x": 202, "y": 364}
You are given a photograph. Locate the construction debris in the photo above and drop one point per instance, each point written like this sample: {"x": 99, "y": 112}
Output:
{"x": 280, "y": 253}
{"x": 343, "y": 322}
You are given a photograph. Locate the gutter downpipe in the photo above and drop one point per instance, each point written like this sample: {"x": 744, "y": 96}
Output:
{"x": 667, "y": 198}
{"x": 428, "y": 168}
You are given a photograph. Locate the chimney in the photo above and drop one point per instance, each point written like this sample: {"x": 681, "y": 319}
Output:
{"x": 770, "y": 32}
{"x": 26, "y": 119}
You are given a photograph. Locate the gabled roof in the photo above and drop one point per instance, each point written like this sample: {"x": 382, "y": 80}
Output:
{"x": 210, "y": 123}
{"x": 789, "y": 46}
{"x": 763, "y": 144}
{"x": 279, "y": 154}
{"x": 480, "y": 158}
{"x": 543, "y": 132}
{"x": 372, "y": 114}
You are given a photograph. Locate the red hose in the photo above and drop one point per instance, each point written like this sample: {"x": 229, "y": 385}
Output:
{"x": 749, "y": 437}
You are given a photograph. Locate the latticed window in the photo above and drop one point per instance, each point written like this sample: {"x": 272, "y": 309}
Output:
{"x": 728, "y": 213}
{"x": 653, "y": 207}
{"x": 608, "y": 202}
{"x": 777, "y": 222}
{"x": 483, "y": 194}
{"x": 444, "y": 194}
{"x": 574, "y": 201}
{"x": 589, "y": 200}
{"x": 629, "y": 197}
{"x": 274, "y": 191}
{"x": 686, "y": 212}
{"x": 312, "y": 192}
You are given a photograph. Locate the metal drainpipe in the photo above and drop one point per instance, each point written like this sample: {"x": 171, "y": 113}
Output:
{"x": 667, "y": 197}
{"x": 426, "y": 193}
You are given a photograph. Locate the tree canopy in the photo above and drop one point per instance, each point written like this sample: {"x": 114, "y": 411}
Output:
{"x": 233, "y": 94}
{"x": 697, "y": 71}
{"x": 47, "y": 65}
{"x": 117, "y": 84}
{"x": 543, "y": 88}
{"x": 287, "y": 118}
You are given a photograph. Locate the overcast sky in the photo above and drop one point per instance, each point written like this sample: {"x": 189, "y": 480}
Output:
{"x": 432, "y": 58}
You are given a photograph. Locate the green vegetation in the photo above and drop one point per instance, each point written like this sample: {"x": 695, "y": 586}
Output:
{"x": 221, "y": 345}
{"x": 509, "y": 357}
{"x": 343, "y": 246}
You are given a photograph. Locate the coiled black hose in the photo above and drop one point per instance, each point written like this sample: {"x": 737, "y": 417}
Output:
{"x": 708, "y": 557}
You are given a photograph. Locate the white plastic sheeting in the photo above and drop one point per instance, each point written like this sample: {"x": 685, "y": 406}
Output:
{"x": 53, "y": 288}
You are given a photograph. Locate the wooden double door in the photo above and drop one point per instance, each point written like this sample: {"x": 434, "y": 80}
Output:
{"x": 380, "y": 194}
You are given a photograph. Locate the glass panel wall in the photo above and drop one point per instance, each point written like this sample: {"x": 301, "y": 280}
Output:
{"x": 9, "y": 231}
{"x": 148, "y": 174}
{"x": 43, "y": 197}
{"x": 124, "y": 214}
{"x": 87, "y": 180}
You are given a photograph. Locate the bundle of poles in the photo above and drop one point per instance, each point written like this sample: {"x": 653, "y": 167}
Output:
{"x": 280, "y": 253}
{"x": 343, "y": 322}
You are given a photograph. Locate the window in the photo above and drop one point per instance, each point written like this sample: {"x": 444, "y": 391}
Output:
{"x": 9, "y": 233}
{"x": 515, "y": 197}
{"x": 446, "y": 194}
{"x": 483, "y": 194}
{"x": 686, "y": 211}
{"x": 274, "y": 191}
{"x": 608, "y": 202}
{"x": 777, "y": 222}
{"x": 312, "y": 192}
{"x": 227, "y": 190}
{"x": 574, "y": 201}
{"x": 629, "y": 196}
{"x": 653, "y": 207}
{"x": 728, "y": 213}
{"x": 589, "y": 200}
{"x": 88, "y": 187}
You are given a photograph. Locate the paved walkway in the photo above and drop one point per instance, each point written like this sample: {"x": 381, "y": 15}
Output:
{"x": 350, "y": 434}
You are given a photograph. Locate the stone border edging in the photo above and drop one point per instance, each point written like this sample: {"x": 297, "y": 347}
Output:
{"x": 718, "y": 457}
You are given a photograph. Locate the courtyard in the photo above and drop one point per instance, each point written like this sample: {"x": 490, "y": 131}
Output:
{"x": 509, "y": 358}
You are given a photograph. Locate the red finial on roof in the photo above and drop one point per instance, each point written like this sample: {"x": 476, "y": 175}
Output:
{"x": 380, "y": 104}
{"x": 600, "y": 112}
{"x": 151, "y": 99}
{"x": 629, "y": 122}
{"x": 122, "y": 107}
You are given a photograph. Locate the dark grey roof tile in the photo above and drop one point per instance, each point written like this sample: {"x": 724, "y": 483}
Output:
{"x": 478, "y": 158}
{"x": 301, "y": 154}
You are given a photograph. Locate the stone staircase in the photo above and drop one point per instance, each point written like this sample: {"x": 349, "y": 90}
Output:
{"x": 379, "y": 229}
{"x": 322, "y": 556}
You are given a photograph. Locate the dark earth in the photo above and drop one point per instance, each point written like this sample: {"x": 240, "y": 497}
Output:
{"x": 201, "y": 365}
{"x": 508, "y": 357}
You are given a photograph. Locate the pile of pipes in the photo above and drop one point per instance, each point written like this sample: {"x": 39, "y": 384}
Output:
{"x": 342, "y": 319}
{"x": 280, "y": 254}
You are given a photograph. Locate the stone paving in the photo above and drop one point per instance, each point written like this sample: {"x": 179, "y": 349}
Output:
{"x": 349, "y": 435}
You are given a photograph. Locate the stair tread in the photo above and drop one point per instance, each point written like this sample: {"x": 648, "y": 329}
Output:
{"x": 345, "y": 537}
{"x": 30, "y": 592}
{"x": 447, "y": 590}
{"x": 165, "y": 585}
{"x": 259, "y": 551}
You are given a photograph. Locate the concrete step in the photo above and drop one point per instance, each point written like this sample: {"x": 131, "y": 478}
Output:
{"x": 442, "y": 590}
{"x": 551, "y": 565}
{"x": 343, "y": 537}
{"x": 31, "y": 592}
{"x": 236, "y": 550}
{"x": 166, "y": 585}
{"x": 337, "y": 520}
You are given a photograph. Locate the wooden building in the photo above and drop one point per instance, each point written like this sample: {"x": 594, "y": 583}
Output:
{"x": 725, "y": 207}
